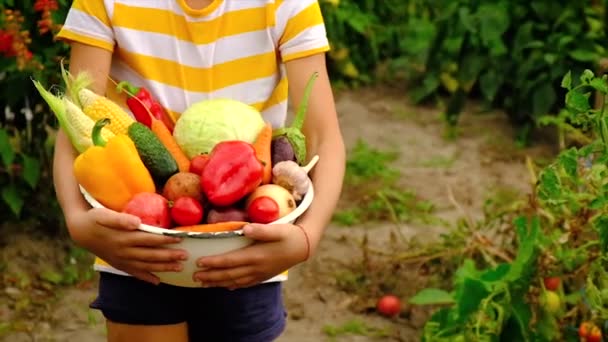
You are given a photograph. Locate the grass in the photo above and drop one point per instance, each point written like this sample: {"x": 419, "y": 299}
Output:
{"x": 440, "y": 162}
{"x": 355, "y": 327}
{"x": 373, "y": 192}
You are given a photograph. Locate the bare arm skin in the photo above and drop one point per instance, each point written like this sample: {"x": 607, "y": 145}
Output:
{"x": 323, "y": 138}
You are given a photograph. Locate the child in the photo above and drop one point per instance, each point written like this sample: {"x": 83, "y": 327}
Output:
{"x": 185, "y": 51}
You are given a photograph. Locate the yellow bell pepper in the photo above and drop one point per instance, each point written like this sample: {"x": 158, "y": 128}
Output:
{"x": 112, "y": 172}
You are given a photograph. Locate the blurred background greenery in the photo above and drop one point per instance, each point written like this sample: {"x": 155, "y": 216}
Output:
{"x": 507, "y": 54}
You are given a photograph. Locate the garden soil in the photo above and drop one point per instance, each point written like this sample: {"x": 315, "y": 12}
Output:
{"x": 457, "y": 176}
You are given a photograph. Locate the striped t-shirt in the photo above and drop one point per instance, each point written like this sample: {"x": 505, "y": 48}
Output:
{"x": 231, "y": 49}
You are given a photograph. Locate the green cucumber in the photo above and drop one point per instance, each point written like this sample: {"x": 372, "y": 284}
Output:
{"x": 155, "y": 156}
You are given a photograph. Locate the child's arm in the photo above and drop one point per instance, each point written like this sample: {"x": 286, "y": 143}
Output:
{"x": 110, "y": 235}
{"x": 280, "y": 247}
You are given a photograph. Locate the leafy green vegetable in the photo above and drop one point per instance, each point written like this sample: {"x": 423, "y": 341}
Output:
{"x": 207, "y": 122}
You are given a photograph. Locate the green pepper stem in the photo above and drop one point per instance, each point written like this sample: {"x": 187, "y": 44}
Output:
{"x": 127, "y": 87}
{"x": 96, "y": 134}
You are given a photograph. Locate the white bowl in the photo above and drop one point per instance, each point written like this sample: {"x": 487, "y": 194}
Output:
{"x": 204, "y": 244}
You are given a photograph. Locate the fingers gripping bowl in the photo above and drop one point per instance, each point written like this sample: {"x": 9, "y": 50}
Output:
{"x": 199, "y": 244}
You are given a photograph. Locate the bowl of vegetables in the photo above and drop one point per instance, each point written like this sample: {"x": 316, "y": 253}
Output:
{"x": 223, "y": 233}
{"x": 201, "y": 177}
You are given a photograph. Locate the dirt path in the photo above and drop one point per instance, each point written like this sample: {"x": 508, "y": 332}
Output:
{"x": 482, "y": 163}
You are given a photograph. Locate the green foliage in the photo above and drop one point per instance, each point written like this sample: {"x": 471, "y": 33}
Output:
{"x": 512, "y": 54}
{"x": 27, "y": 128}
{"x": 364, "y": 35}
{"x": 562, "y": 232}
{"x": 373, "y": 193}
{"x": 355, "y": 327}
{"x": 509, "y": 54}
{"x": 486, "y": 300}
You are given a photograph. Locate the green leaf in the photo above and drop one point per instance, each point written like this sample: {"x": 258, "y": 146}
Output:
{"x": 550, "y": 185}
{"x": 567, "y": 81}
{"x": 493, "y": 22}
{"x": 12, "y": 197}
{"x": 583, "y": 55}
{"x": 429, "y": 85}
{"x": 522, "y": 314}
{"x": 495, "y": 274}
{"x": 587, "y": 76}
{"x": 31, "y": 170}
{"x": 550, "y": 58}
{"x": 577, "y": 101}
{"x": 523, "y": 266}
{"x": 489, "y": 82}
{"x": 432, "y": 297}
{"x": 569, "y": 161}
{"x": 601, "y": 225}
{"x": 51, "y": 276}
{"x": 599, "y": 85}
{"x": 469, "y": 290}
{"x": 543, "y": 99}
{"x": 469, "y": 296}
{"x": 6, "y": 149}
{"x": 598, "y": 203}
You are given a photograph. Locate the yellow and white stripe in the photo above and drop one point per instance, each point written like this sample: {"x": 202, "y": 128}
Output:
{"x": 231, "y": 49}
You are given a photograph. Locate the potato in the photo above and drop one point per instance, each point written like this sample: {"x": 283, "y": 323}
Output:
{"x": 217, "y": 215}
{"x": 183, "y": 184}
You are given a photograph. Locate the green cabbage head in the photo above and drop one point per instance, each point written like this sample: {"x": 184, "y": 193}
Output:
{"x": 208, "y": 122}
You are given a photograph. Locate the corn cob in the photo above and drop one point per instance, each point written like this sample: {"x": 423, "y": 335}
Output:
{"x": 77, "y": 126}
{"x": 98, "y": 107}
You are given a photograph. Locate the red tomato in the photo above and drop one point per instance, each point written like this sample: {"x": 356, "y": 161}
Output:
{"x": 585, "y": 328}
{"x": 151, "y": 208}
{"x": 197, "y": 164}
{"x": 551, "y": 283}
{"x": 595, "y": 334}
{"x": 389, "y": 305}
{"x": 263, "y": 209}
{"x": 186, "y": 211}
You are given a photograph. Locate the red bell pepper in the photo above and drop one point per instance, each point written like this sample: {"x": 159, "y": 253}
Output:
{"x": 142, "y": 104}
{"x": 232, "y": 172}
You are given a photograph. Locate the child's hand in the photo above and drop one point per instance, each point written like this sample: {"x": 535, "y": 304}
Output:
{"x": 114, "y": 237}
{"x": 277, "y": 248}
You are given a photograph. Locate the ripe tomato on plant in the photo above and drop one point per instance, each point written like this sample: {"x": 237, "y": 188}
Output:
{"x": 186, "y": 211}
{"x": 595, "y": 334}
{"x": 589, "y": 332}
{"x": 551, "y": 283}
{"x": 389, "y": 305}
{"x": 584, "y": 328}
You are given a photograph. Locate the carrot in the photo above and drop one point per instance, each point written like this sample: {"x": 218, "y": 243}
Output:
{"x": 164, "y": 135}
{"x": 213, "y": 227}
{"x": 262, "y": 150}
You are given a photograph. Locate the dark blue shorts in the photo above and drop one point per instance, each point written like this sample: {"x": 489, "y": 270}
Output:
{"x": 254, "y": 314}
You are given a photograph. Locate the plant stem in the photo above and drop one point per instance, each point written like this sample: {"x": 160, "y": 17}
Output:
{"x": 96, "y": 135}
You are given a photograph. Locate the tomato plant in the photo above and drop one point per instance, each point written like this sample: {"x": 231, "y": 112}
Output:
{"x": 562, "y": 230}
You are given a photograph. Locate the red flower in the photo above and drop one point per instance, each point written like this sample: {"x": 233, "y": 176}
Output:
{"x": 6, "y": 43}
{"x": 45, "y": 5}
